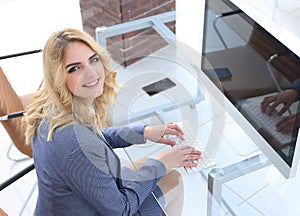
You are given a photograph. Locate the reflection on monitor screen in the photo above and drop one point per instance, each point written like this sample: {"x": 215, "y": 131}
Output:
{"x": 257, "y": 65}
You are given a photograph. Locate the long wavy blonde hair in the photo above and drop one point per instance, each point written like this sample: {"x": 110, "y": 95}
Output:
{"x": 54, "y": 102}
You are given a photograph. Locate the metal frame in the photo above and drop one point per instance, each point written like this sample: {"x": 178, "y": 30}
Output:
{"x": 220, "y": 16}
{"x": 219, "y": 176}
{"x": 157, "y": 22}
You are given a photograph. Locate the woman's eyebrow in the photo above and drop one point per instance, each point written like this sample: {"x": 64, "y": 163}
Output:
{"x": 95, "y": 54}
{"x": 76, "y": 63}
{"x": 72, "y": 64}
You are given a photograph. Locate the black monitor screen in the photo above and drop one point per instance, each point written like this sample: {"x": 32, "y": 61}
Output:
{"x": 248, "y": 64}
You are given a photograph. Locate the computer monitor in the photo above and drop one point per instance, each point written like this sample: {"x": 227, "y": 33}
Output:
{"x": 247, "y": 64}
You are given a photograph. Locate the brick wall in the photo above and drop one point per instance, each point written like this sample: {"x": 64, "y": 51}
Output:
{"x": 127, "y": 48}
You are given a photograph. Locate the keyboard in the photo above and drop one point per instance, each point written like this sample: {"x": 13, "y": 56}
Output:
{"x": 262, "y": 120}
{"x": 191, "y": 139}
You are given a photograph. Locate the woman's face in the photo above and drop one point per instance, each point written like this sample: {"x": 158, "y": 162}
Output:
{"x": 85, "y": 71}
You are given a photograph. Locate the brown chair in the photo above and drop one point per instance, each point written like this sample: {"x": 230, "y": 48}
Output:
{"x": 10, "y": 102}
{"x": 2, "y": 213}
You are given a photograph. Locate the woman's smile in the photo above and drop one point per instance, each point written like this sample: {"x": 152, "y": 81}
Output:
{"x": 92, "y": 83}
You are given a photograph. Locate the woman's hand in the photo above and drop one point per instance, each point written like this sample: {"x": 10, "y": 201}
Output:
{"x": 156, "y": 133}
{"x": 286, "y": 97}
{"x": 181, "y": 156}
{"x": 287, "y": 124}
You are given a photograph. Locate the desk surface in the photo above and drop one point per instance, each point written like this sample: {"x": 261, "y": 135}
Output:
{"x": 251, "y": 194}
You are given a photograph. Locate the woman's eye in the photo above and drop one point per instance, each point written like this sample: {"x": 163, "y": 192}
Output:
{"x": 95, "y": 59}
{"x": 73, "y": 69}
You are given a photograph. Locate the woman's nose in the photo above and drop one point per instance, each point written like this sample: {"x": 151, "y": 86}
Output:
{"x": 89, "y": 71}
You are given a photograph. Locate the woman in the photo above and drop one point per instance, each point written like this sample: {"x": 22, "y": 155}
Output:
{"x": 78, "y": 171}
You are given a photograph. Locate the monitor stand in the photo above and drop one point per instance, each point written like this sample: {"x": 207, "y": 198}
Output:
{"x": 219, "y": 176}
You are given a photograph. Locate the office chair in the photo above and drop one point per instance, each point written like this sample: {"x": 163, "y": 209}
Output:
{"x": 21, "y": 173}
{"x": 6, "y": 117}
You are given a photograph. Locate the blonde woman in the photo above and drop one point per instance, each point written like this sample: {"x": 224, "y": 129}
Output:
{"x": 77, "y": 169}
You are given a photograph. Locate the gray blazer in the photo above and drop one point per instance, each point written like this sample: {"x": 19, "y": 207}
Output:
{"x": 80, "y": 174}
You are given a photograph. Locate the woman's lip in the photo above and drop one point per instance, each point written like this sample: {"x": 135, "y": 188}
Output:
{"x": 91, "y": 84}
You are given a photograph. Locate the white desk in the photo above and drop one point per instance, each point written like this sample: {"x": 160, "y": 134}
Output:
{"x": 216, "y": 129}
{"x": 249, "y": 194}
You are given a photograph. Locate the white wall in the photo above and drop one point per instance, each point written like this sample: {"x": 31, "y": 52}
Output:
{"x": 25, "y": 26}
{"x": 189, "y": 22}
{"x": 189, "y": 29}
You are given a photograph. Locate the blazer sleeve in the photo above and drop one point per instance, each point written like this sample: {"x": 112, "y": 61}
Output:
{"x": 120, "y": 137}
{"x": 296, "y": 86}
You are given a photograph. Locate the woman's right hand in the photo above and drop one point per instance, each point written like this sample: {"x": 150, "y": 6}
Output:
{"x": 286, "y": 97}
{"x": 181, "y": 156}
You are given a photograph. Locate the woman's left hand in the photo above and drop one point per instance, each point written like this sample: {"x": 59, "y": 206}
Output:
{"x": 156, "y": 133}
{"x": 288, "y": 123}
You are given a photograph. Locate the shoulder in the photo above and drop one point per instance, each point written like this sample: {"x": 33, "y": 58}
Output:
{"x": 65, "y": 139}
{"x": 75, "y": 135}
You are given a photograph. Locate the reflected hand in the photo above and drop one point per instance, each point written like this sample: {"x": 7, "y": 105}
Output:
{"x": 286, "y": 124}
{"x": 156, "y": 133}
{"x": 286, "y": 97}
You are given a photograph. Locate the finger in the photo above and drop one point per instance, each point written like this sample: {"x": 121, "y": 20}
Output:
{"x": 285, "y": 108}
{"x": 272, "y": 108}
{"x": 186, "y": 147}
{"x": 266, "y": 101}
{"x": 286, "y": 120}
{"x": 196, "y": 152}
{"x": 189, "y": 150}
{"x": 189, "y": 163}
{"x": 193, "y": 156}
{"x": 174, "y": 127}
{"x": 286, "y": 125}
{"x": 177, "y": 128}
{"x": 174, "y": 131}
{"x": 167, "y": 141}
{"x": 287, "y": 129}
